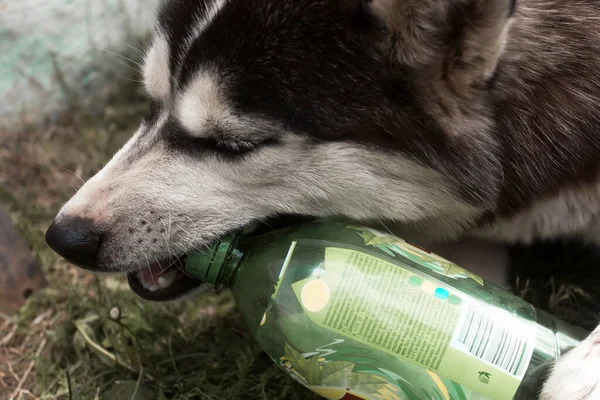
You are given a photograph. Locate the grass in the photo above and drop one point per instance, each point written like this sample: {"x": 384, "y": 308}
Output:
{"x": 108, "y": 344}
{"x": 89, "y": 337}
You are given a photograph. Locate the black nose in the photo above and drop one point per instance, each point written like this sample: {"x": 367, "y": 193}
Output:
{"x": 75, "y": 239}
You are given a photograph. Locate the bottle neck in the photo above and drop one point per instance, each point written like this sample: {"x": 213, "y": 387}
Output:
{"x": 217, "y": 263}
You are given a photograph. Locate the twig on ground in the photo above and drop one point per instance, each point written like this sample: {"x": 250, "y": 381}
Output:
{"x": 5, "y": 324}
{"x": 28, "y": 393}
{"x": 12, "y": 372}
{"x": 6, "y": 339}
{"x": 38, "y": 320}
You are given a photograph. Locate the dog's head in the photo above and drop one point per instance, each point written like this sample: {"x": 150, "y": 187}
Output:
{"x": 372, "y": 110}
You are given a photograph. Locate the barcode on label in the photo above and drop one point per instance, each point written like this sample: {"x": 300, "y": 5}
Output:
{"x": 494, "y": 340}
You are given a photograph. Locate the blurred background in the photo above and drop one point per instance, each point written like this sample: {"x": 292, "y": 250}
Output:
{"x": 71, "y": 95}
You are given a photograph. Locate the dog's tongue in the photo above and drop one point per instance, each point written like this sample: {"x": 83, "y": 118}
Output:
{"x": 152, "y": 273}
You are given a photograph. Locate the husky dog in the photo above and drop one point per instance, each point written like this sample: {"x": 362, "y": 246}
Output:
{"x": 449, "y": 118}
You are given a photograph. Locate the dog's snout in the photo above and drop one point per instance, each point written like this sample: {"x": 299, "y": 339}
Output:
{"x": 75, "y": 239}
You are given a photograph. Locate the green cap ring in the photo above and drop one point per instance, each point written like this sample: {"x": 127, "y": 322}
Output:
{"x": 207, "y": 264}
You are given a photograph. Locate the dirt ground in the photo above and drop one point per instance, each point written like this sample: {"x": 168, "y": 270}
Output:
{"x": 66, "y": 342}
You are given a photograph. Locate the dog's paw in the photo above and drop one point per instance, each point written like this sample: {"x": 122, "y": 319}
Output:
{"x": 576, "y": 375}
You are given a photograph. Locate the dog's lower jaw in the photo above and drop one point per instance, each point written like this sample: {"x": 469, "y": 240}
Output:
{"x": 576, "y": 375}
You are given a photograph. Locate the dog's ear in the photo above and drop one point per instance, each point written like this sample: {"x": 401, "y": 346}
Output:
{"x": 464, "y": 37}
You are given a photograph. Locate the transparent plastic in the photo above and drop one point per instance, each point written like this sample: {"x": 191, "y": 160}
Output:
{"x": 353, "y": 313}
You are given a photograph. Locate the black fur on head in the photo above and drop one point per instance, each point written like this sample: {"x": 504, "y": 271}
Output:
{"x": 332, "y": 70}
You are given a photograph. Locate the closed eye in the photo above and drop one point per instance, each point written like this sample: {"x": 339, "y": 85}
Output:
{"x": 218, "y": 144}
{"x": 235, "y": 145}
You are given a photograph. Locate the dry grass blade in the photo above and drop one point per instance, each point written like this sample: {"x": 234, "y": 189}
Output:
{"x": 6, "y": 339}
{"x": 29, "y": 368}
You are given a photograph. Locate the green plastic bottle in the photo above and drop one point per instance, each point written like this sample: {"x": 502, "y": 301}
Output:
{"x": 354, "y": 313}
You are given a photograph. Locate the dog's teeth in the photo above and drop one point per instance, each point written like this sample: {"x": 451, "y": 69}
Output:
{"x": 163, "y": 283}
{"x": 141, "y": 280}
{"x": 167, "y": 278}
{"x": 145, "y": 284}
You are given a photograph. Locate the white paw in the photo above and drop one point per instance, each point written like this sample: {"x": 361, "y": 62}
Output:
{"x": 576, "y": 375}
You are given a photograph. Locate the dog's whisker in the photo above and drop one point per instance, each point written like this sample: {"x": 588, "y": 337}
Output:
{"x": 140, "y": 52}
{"x": 195, "y": 226}
{"x": 180, "y": 267}
{"x": 76, "y": 175}
{"x": 130, "y": 79}
{"x": 160, "y": 265}
{"x": 192, "y": 240}
{"x": 140, "y": 268}
{"x": 190, "y": 236}
{"x": 133, "y": 68}
{"x": 386, "y": 228}
{"x": 170, "y": 224}
{"x": 120, "y": 55}
{"x": 149, "y": 266}
{"x": 167, "y": 241}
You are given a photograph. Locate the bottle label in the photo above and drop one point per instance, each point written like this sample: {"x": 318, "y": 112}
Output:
{"x": 382, "y": 319}
{"x": 420, "y": 320}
